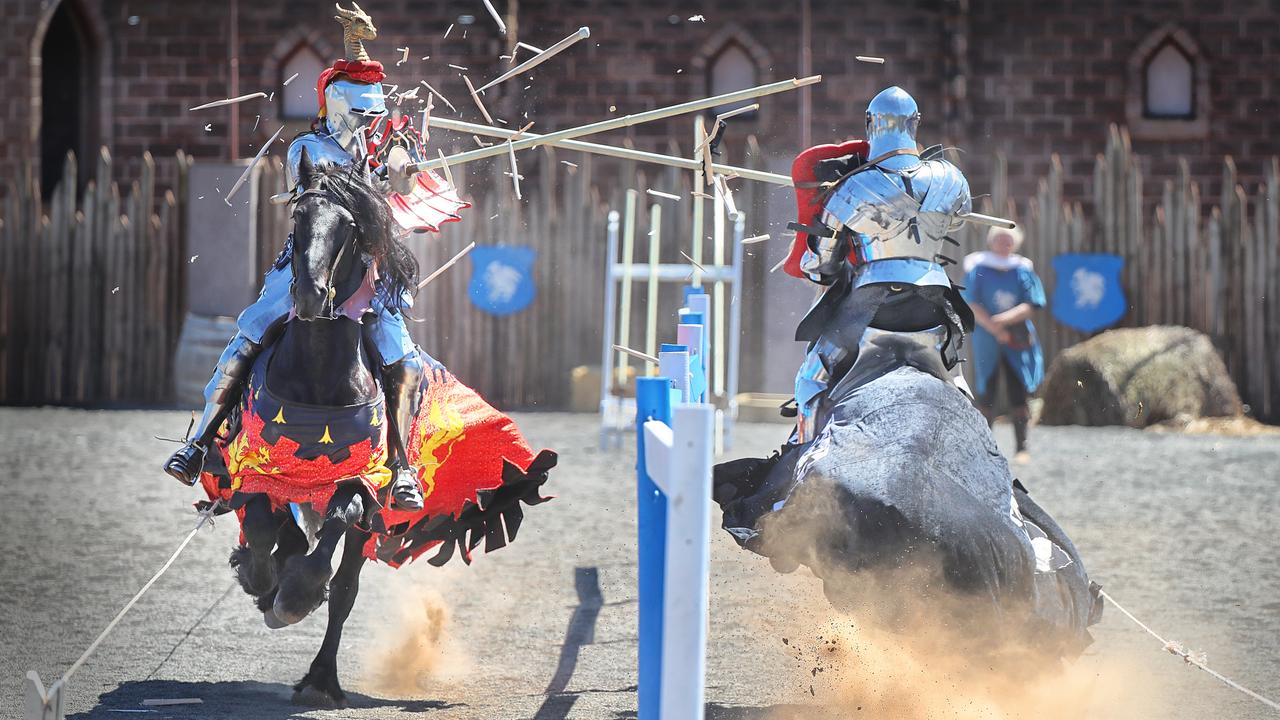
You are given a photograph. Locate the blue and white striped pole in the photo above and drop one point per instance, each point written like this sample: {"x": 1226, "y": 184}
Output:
{"x": 690, "y": 335}
{"x": 653, "y": 402}
{"x": 675, "y": 450}
{"x": 678, "y": 459}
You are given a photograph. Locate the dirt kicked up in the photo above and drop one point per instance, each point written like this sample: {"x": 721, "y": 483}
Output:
{"x": 1179, "y": 528}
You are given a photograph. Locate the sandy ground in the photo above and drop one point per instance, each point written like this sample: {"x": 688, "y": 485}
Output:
{"x": 1179, "y": 528}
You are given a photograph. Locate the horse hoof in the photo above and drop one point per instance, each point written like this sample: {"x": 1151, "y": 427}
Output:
{"x": 303, "y": 588}
{"x": 320, "y": 688}
{"x": 279, "y": 613}
{"x": 272, "y": 620}
{"x": 311, "y": 697}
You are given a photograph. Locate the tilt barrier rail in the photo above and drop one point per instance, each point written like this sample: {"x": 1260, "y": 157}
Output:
{"x": 720, "y": 309}
{"x": 675, "y": 450}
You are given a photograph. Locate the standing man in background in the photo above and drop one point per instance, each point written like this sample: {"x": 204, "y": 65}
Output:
{"x": 1002, "y": 288}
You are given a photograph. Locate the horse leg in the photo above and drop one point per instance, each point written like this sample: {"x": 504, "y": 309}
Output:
{"x": 306, "y": 577}
{"x": 323, "y": 675}
{"x": 254, "y": 566}
{"x": 290, "y": 541}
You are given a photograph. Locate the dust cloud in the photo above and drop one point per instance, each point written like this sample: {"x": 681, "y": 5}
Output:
{"x": 856, "y": 668}
{"x": 414, "y": 651}
{"x": 900, "y": 643}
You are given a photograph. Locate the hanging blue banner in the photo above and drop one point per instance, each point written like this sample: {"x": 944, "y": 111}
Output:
{"x": 1088, "y": 296}
{"x": 502, "y": 278}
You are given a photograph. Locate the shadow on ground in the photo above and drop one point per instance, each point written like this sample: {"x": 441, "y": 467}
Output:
{"x": 241, "y": 700}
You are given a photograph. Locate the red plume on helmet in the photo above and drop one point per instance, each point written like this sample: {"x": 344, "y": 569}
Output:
{"x": 366, "y": 71}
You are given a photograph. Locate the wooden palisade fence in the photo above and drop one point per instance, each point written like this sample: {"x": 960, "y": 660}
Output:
{"x": 66, "y": 337}
{"x": 1218, "y": 274}
{"x": 91, "y": 296}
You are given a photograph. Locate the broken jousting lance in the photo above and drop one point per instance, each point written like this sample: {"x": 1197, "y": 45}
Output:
{"x": 530, "y": 140}
{"x": 610, "y": 151}
{"x": 229, "y": 101}
{"x": 582, "y": 34}
{"x": 657, "y": 158}
{"x": 493, "y": 12}
{"x": 452, "y": 261}
{"x": 245, "y": 175}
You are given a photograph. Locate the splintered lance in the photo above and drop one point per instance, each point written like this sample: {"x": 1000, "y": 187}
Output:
{"x": 625, "y": 121}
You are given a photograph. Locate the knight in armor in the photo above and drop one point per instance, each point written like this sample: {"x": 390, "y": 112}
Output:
{"x": 889, "y": 461}
{"x": 352, "y": 129}
{"x": 874, "y": 218}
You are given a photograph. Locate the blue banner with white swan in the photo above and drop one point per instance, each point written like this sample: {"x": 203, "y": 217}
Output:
{"x": 502, "y": 278}
{"x": 1088, "y": 296}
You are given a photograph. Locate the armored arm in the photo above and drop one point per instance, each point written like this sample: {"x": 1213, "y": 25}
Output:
{"x": 399, "y": 149}
{"x": 320, "y": 149}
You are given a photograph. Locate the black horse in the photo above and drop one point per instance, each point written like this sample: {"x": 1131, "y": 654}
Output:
{"x": 324, "y": 360}
{"x": 321, "y": 360}
{"x": 901, "y": 494}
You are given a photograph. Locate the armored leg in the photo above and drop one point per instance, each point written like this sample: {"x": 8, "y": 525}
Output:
{"x": 402, "y": 382}
{"x": 221, "y": 395}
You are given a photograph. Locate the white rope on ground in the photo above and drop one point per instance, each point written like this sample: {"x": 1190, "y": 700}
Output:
{"x": 204, "y": 517}
{"x": 1196, "y": 659}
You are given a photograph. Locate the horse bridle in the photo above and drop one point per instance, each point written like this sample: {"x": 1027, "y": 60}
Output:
{"x": 330, "y": 304}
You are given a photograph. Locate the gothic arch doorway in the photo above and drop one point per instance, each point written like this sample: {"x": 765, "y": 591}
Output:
{"x": 69, "y": 94}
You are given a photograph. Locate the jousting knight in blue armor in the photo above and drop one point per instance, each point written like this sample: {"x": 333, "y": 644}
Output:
{"x": 874, "y": 222}
{"x": 353, "y": 129}
{"x": 890, "y": 464}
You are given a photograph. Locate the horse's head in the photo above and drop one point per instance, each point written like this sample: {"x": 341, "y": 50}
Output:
{"x": 339, "y": 223}
{"x": 328, "y": 245}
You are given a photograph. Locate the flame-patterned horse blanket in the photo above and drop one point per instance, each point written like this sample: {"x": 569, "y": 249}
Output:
{"x": 474, "y": 466}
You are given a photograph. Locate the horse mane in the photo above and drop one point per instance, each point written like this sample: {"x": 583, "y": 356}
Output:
{"x": 379, "y": 234}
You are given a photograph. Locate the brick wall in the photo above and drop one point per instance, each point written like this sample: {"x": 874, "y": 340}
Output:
{"x": 1049, "y": 78}
{"x": 1038, "y": 79}
{"x": 20, "y": 19}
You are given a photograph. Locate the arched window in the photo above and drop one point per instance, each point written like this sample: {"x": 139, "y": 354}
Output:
{"x": 67, "y": 98}
{"x": 731, "y": 69}
{"x": 732, "y": 60}
{"x": 298, "y": 98}
{"x": 1168, "y": 88}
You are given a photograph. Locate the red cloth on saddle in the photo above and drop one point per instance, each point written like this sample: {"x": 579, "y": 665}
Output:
{"x": 366, "y": 71}
{"x": 458, "y": 446}
{"x": 809, "y": 199}
{"x": 295, "y": 452}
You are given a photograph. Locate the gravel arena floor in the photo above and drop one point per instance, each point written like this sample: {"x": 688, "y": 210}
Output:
{"x": 1179, "y": 528}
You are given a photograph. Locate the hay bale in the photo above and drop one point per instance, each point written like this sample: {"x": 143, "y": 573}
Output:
{"x": 1137, "y": 377}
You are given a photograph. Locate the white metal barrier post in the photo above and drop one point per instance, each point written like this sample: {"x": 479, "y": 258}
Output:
{"x": 679, "y": 459}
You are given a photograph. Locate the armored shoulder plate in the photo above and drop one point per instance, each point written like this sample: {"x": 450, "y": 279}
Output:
{"x": 320, "y": 148}
{"x": 900, "y": 213}
{"x": 872, "y": 203}
{"x": 945, "y": 197}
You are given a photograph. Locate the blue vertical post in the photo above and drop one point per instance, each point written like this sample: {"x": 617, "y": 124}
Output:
{"x": 653, "y": 402}
{"x": 699, "y": 304}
